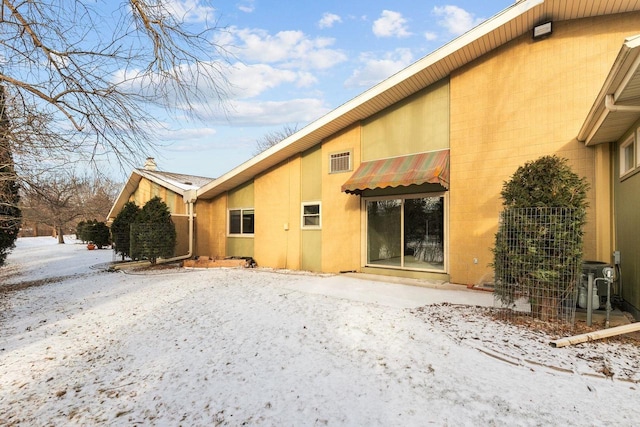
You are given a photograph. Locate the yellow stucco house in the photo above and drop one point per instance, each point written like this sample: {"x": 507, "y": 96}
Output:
{"x": 405, "y": 179}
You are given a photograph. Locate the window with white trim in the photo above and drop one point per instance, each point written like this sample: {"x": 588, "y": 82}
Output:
{"x": 340, "y": 162}
{"x": 241, "y": 222}
{"x": 627, "y": 156}
{"x": 311, "y": 215}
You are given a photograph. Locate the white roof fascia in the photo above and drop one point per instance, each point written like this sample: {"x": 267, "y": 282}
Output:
{"x": 118, "y": 204}
{"x": 170, "y": 184}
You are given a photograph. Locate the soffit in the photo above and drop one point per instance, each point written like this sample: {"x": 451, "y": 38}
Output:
{"x": 507, "y": 25}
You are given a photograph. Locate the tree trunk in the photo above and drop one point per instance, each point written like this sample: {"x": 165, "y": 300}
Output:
{"x": 60, "y": 235}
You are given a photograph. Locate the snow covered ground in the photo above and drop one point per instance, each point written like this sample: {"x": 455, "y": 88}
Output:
{"x": 81, "y": 346}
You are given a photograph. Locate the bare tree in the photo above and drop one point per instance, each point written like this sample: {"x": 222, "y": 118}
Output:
{"x": 96, "y": 197}
{"x": 62, "y": 199}
{"x": 83, "y": 80}
{"x": 272, "y": 138}
{"x": 83, "y": 77}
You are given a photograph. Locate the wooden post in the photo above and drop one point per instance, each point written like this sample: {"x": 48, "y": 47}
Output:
{"x": 596, "y": 335}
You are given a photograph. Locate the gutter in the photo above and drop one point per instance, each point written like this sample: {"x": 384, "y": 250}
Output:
{"x": 609, "y": 104}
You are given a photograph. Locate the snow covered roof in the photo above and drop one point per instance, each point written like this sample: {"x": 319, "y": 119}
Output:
{"x": 176, "y": 182}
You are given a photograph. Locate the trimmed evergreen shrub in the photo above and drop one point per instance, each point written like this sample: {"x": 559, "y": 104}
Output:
{"x": 95, "y": 232}
{"x": 121, "y": 229}
{"x": 153, "y": 234}
{"x": 535, "y": 258}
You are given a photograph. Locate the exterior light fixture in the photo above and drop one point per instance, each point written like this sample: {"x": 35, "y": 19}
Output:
{"x": 541, "y": 31}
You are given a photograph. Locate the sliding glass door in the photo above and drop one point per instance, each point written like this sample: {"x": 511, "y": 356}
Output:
{"x": 406, "y": 232}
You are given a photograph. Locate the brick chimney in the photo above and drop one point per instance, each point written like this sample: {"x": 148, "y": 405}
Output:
{"x": 150, "y": 164}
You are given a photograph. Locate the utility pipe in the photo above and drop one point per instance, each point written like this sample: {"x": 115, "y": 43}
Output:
{"x": 596, "y": 335}
{"x": 589, "y": 298}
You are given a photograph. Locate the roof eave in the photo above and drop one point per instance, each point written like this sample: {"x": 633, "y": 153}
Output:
{"x": 624, "y": 65}
{"x": 123, "y": 197}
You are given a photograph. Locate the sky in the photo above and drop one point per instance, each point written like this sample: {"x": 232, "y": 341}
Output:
{"x": 292, "y": 63}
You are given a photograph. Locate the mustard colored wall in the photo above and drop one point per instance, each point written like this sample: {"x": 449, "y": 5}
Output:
{"x": 241, "y": 197}
{"x": 277, "y": 200}
{"x": 147, "y": 190}
{"x": 182, "y": 234}
{"x": 513, "y": 105}
{"x": 417, "y": 124}
{"x": 311, "y": 191}
{"x": 341, "y": 218}
{"x": 211, "y": 227}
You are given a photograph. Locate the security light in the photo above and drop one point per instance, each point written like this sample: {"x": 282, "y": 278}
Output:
{"x": 542, "y": 30}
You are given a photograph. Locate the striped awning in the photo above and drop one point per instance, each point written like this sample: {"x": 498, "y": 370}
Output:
{"x": 431, "y": 167}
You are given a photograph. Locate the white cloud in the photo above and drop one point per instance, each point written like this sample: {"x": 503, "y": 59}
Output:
{"x": 328, "y": 19}
{"x": 247, "y": 6}
{"x": 375, "y": 70}
{"x": 248, "y": 81}
{"x": 188, "y": 134}
{"x": 289, "y": 48}
{"x": 390, "y": 24}
{"x": 456, "y": 20}
{"x": 191, "y": 10}
{"x": 429, "y": 36}
{"x": 260, "y": 113}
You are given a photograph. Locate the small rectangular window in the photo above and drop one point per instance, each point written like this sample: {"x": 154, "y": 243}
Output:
{"x": 340, "y": 162}
{"x": 241, "y": 221}
{"x": 311, "y": 215}
{"x": 234, "y": 222}
{"x": 247, "y": 221}
{"x": 627, "y": 156}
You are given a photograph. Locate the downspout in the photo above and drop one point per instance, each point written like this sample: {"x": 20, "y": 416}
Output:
{"x": 189, "y": 199}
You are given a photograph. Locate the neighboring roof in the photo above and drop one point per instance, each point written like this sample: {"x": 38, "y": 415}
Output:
{"x": 617, "y": 106}
{"x": 430, "y": 167}
{"x": 176, "y": 182}
{"x": 507, "y": 25}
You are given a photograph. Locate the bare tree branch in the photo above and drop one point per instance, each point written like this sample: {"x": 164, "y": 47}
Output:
{"x": 92, "y": 83}
{"x": 272, "y": 138}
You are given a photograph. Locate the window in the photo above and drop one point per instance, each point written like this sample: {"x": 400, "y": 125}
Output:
{"x": 340, "y": 162}
{"x": 311, "y": 215}
{"x": 406, "y": 233}
{"x": 627, "y": 156}
{"x": 241, "y": 221}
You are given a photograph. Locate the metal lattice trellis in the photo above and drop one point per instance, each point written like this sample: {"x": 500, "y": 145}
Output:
{"x": 152, "y": 241}
{"x": 537, "y": 263}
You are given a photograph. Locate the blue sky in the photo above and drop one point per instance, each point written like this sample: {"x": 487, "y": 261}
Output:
{"x": 295, "y": 61}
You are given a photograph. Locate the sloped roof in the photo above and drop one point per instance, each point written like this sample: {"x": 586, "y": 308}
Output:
{"x": 176, "y": 182}
{"x": 617, "y": 105}
{"x": 513, "y": 22}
